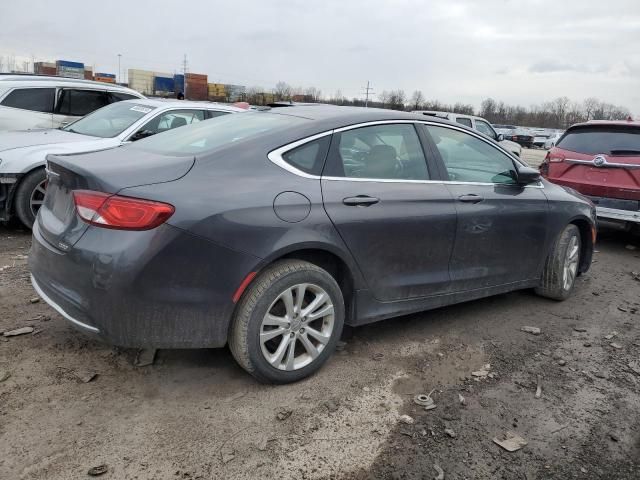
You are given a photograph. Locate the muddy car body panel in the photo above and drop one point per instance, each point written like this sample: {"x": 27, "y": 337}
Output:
{"x": 268, "y": 189}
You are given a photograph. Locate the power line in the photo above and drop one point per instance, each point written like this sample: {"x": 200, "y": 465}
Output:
{"x": 367, "y": 90}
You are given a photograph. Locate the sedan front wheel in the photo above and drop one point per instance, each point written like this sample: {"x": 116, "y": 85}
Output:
{"x": 287, "y": 322}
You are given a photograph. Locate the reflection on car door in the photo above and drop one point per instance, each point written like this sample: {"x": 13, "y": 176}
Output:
{"x": 74, "y": 103}
{"x": 398, "y": 226}
{"x": 501, "y": 224}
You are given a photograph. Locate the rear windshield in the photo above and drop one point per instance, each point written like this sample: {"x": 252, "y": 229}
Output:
{"x": 111, "y": 120}
{"x": 611, "y": 140}
{"x": 209, "y": 135}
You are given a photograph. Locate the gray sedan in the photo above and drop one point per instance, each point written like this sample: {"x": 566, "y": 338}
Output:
{"x": 271, "y": 230}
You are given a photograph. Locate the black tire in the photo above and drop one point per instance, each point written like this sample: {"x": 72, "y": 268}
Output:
{"x": 22, "y": 200}
{"x": 553, "y": 284}
{"x": 244, "y": 334}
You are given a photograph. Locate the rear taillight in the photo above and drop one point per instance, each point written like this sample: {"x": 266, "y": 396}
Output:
{"x": 123, "y": 213}
{"x": 554, "y": 157}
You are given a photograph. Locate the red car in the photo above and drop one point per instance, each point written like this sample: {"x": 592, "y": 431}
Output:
{"x": 601, "y": 159}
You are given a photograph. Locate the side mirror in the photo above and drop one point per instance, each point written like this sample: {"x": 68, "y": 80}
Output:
{"x": 527, "y": 175}
{"x": 500, "y": 137}
{"x": 140, "y": 134}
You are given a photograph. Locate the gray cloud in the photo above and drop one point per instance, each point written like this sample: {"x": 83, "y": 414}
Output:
{"x": 452, "y": 50}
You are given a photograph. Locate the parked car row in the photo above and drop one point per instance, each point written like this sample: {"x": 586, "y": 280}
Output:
{"x": 23, "y": 152}
{"x": 271, "y": 230}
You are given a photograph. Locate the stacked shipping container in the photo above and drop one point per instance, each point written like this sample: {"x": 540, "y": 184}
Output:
{"x": 216, "y": 92}
{"x": 105, "y": 77}
{"x": 196, "y": 86}
{"x": 45, "y": 68}
{"x": 178, "y": 83}
{"x": 64, "y": 68}
{"x": 143, "y": 80}
{"x": 163, "y": 86}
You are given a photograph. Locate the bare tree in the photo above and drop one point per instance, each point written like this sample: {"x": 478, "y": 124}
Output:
{"x": 283, "y": 91}
{"x": 417, "y": 99}
{"x": 397, "y": 99}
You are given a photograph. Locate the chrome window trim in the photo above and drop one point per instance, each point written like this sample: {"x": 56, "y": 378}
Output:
{"x": 275, "y": 156}
{"x": 604, "y": 165}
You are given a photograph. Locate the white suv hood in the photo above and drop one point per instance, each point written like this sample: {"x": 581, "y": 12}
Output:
{"x": 21, "y": 151}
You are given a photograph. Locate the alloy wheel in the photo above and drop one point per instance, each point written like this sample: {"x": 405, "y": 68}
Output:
{"x": 297, "y": 327}
{"x": 37, "y": 197}
{"x": 570, "y": 263}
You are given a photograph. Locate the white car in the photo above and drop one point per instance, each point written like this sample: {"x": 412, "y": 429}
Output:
{"x": 23, "y": 153}
{"x": 552, "y": 140}
{"x": 31, "y": 101}
{"x": 477, "y": 123}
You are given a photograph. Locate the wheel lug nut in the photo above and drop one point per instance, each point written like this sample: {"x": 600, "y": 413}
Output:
{"x": 292, "y": 334}
{"x": 302, "y": 330}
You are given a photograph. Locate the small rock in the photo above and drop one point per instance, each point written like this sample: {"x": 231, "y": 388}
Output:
{"x": 531, "y": 330}
{"x": 4, "y": 375}
{"x": 227, "y": 457}
{"x": 340, "y": 345}
{"x": 99, "y": 470}
{"x": 406, "y": 419}
{"x": 284, "y": 413}
{"x": 332, "y": 405}
{"x": 623, "y": 309}
{"x": 636, "y": 276}
{"x": 366, "y": 389}
{"x": 630, "y": 247}
{"x": 579, "y": 329}
{"x": 440, "y": 475}
{"x": 450, "y": 432}
{"x": 599, "y": 374}
{"x": 511, "y": 442}
{"x": 377, "y": 356}
{"x": 586, "y": 344}
{"x": 615, "y": 345}
{"x": 635, "y": 366}
{"x": 462, "y": 400}
{"x": 562, "y": 362}
{"x": 483, "y": 372}
{"x": 18, "y": 331}
{"x": 85, "y": 376}
{"x": 145, "y": 357}
{"x": 35, "y": 300}
{"x": 614, "y": 437}
{"x": 583, "y": 470}
{"x": 611, "y": 335}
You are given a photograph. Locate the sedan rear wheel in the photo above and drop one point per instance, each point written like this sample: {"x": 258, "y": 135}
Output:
{"x": 561, "y": 268}
{"x": 287, "y": 322}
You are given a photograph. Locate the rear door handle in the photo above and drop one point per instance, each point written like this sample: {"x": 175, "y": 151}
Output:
{"x": 360, "y": 201}
{"x": 470, "y": 198}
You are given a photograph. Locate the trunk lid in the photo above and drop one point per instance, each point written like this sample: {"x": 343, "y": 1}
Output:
{"x": 598, "y": 160}
{"x": 108, "y": 171}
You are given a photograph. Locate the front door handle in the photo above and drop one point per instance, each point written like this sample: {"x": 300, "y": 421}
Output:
{"x": 471, "y": 198}
{"x": 360, "y": 201}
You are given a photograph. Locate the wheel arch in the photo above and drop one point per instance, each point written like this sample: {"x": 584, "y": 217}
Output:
{"x": 586, "y": 228}
{"x": 10, "y": 207}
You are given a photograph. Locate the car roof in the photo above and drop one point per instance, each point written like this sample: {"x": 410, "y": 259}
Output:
{"x": 8, "y": 81}
{"x": 442, "y": 114}
{"x": 591, "y": 123}
{"x": 169, "y": 103}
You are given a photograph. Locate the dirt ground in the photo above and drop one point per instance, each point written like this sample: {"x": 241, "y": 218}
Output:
{"x": 195, "y": 414}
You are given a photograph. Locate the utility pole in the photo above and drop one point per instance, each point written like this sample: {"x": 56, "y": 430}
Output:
{"x": 184, "y": 71}
{"x": 119, "y": 71}
{"x": 368, "y": 90}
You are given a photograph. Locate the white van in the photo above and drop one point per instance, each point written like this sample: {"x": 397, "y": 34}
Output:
{"x": 32, "y": 101}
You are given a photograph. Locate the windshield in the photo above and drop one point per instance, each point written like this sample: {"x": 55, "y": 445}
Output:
{"x": 111, "y": 120}
{"x": 610, "y": 140}
{"x": 206, "y": 136}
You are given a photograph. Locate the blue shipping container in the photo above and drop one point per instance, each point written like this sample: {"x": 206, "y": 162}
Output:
{"x": 66, "y": 63}
{"x": 106, "y": 75}
{"x": 178, "y": 83}
{"x": 163, "y": 84}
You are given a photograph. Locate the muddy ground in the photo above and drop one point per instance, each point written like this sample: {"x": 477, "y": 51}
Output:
{"x": 195, "y": 414}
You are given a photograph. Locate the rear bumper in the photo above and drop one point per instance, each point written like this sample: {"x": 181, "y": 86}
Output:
{"x": 618, "y": 215}
{"x": 162, "y": 288}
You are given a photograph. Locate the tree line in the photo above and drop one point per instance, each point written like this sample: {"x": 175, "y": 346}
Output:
{"x": 559, "y": 113}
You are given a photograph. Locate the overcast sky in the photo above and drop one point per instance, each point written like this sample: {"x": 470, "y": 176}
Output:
{"x": 519, "y": 51}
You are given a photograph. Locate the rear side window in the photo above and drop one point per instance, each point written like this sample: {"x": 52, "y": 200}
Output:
{"x": 618, "y": 140}
{"x": 34, "y": 99}
{"x": 309, "y": 157}
{"x": 80, "y": 102}
{"x": 464, "y": 121}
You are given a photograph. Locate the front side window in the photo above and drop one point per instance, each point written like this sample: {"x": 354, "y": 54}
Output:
{"x": 111, "y": 120}
{"x": 172, "y": 119}
{"x": 464, "y": 121}
{"x": 469, "y": 159}
{"x": 483, "y": 127}
{"x": 79, "y": 103}
{"x": 389, "y": 151}
{"x": 119, "y": 97}
{"x": 33, "y": 99}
